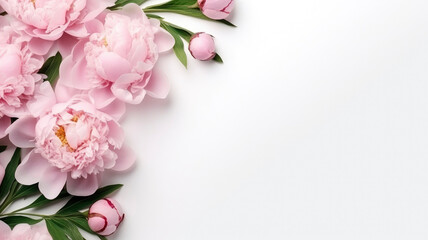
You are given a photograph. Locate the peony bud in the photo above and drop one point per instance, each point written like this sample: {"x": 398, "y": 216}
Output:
{"x": 105, "y": 216}
{"x": 216, "y": 9}
{"x": 202, "y": 46}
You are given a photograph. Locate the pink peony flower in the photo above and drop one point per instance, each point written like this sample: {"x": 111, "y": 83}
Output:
{"x": 50, "y": 19}
{"x": 202, "y": 46}
{"x": 24, "y": 231}
{"x": 117, "y": 60}
{"x": 216, "y": 9}
{"x": 72, "y": 144}
{"x": 105, "y": 216}
{"x": 18, "y": 68}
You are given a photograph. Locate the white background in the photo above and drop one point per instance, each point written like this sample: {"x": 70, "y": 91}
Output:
{"x": 314, "y": 128}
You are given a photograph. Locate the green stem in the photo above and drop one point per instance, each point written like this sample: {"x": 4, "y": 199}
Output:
{"x": 10, "y": 197}
{"x": 42, "y": 216}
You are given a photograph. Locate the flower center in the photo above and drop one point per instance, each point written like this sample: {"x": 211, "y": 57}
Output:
{"x": 34, "y": 3}
{"x": 60, "y": 133}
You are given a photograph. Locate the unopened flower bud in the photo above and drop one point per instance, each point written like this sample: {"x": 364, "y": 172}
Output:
{"x": 202, "y": 46}
{"x": 216, "y": 9}
{"x": 105, "y": 216}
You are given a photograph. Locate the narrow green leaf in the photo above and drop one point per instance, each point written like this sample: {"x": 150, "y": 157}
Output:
{"x": 42, "y": 201}
{"x": 78, "y": 203}
{"x": 69, "y": 228}
{"x": 9, "y": 176}
{"x": 178, "y": 46}
{"x": 12, "y": 221}
{"x": 51, "y": 68}
{"x": 183, "y": 10}
{"x": 56, "y": 231}
{"x": 217, "y": 58}
{"x": 26, "y": 191}
{"x": 2, "y": 148}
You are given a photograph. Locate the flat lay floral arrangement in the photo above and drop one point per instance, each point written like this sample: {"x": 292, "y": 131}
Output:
{"x": 68, "y": 68}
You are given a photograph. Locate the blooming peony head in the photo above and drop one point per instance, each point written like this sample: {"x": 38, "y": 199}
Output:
{"x": 118, "y": 59}
{"x": 18, "y": 68}
{"x": 24, "y": 231}
{"x": 202, "y": 46}
{"x": 105, "y": 216}
{"x": 73, "y": 144}
{"x": 216, "y": 9}
{"x": 49, "y": 19}
{"x": 78, "y": 139}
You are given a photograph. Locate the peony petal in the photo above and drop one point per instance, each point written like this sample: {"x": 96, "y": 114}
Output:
{"x": 101, "y": 97}
{"x": 4, "y": 124}
{"x": 22, "y": 132}
{"x": 52, "y": 182}
{"x": 39, "y": 46}
{"x": 158, "y": 86}
{"x": 7, "y": 154}
{"x": 82, "y": 186}
{"x": 77, "y": 30}
{"x": 116, "y": 109}
{"x": 164, "y": 40}
{"x": 66, "y": 44}
{"x": 32, "y": 168}
{"x": 43, "y": 99}
{"x": 113, "y": 65}
{"x": 116, "y": 134}
{"x": 5, "y": 230}
{"x": 125, "y": 159}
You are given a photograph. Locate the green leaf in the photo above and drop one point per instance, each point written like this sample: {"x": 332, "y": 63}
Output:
{"x": 56, "y": 231}
{"x": 217, "y": 58}
{"x": 26, "y": 191}
{"x": 12, "y": 221}
{"x": 78, "y": 203}
{"x": 178, "y": 46}
{"x": 42, "y": 201}
{"x": 183, "y": 7}
{"x": 9, "y": 176}
{"x": 121, "y": 3}
{"x": 2, "y": 148}
{"x": 51, "y": 68}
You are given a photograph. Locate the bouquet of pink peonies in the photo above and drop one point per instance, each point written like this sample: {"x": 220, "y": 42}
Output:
{"x": 67, "y": 71}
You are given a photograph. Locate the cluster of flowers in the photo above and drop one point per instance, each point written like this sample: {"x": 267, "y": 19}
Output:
{"x": 67, "y": 127}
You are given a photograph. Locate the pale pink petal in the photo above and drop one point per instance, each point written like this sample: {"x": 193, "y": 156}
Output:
{"x": 42, "y": 101}
{"x": 7, "y": 154}
{"x": 39, "y": 46}
{"x": 125, "y": 159}
{"x": 52, "y": 182}
{"x": 66, "y": 44}
{"x": 95, "y": 7}
{"x": 31, "y": 169}
{"x": 158, "y": 86}
{"x": 5, "y": 230}
{"x": 23, "y": 131}
{"x": 121, "y": 90}
{"x": 4, "y": 124}
{"x": 82, "y": 186}
{"x": 113, "y": 65}
{"x": 77, "y": 30}
{"x": 116, "y": 109}
{"x": 164, "y": 40}
{"x": 64, "y": 93}
{"x": 101, "y": 97}
{"x": 116, "y": 134}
